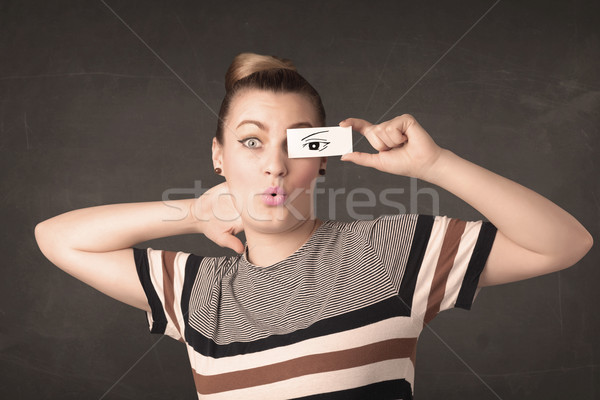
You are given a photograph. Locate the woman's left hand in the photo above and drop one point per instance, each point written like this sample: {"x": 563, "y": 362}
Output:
{"x": 404, "y": 147}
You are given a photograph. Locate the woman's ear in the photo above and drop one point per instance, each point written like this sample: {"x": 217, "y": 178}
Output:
{"x": 217, "y": 154}
{"x": 324, "y": 162}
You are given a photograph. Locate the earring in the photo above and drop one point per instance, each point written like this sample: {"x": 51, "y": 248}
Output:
{"x": 322, "y": 171}
{"x": 218, "y": 171}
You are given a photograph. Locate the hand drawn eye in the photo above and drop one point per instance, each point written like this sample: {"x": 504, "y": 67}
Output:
{"x": 316, "y": 144}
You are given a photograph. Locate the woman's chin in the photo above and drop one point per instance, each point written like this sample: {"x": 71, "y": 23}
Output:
{"x": 273, "y": 223}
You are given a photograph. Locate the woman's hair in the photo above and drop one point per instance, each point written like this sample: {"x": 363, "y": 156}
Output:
{"x": 255, "y": 71}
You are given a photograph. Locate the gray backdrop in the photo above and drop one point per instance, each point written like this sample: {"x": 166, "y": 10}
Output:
{"x": 115, "y": 102}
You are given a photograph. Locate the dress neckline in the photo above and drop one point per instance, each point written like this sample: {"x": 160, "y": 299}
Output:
{"x": 310, "y": 241}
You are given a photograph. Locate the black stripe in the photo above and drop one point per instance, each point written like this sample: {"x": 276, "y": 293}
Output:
{"x": 398, "y": 389}
{"x": 143, "y": 270}
{"x": 478, "y": 258}
{"x": 415, "y": 259}
{"x": 385, "y": 309}
{"x": 191, "y": 271}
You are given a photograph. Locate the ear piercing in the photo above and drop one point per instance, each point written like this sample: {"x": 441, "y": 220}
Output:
{"x": 322, "y": 171}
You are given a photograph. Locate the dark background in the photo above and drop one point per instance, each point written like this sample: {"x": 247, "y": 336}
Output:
{"x": 89, "y": 115}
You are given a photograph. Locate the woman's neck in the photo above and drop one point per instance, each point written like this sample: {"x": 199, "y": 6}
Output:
{"x": 266, "y": 249}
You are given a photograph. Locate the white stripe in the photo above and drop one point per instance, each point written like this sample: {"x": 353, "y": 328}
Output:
{"x": 461, "y": 262}
{"x": 428, "y": 266}
{"x": 156, "y": 275}
{"x": 178, "y": 280}
{"x": 323, "y": 382}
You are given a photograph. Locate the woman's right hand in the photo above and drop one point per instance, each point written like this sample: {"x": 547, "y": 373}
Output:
{"x": 220, "y": 220}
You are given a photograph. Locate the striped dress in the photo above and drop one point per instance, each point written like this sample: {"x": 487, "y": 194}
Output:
{"x": 337, "y": 319}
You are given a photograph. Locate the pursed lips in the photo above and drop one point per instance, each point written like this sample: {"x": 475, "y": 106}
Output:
{"x": 274, "y": 191}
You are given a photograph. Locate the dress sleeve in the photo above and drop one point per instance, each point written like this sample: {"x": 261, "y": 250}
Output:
{"x": 433, "y": 261}
{"x": 166, "y": 277}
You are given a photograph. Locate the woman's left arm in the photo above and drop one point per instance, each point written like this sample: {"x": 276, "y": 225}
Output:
{"x": 535, "y": 236}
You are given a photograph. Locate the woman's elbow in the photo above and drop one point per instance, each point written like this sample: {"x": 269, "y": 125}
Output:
{"x": 40, "y": 236}
{"x": 588, "y": 243}
{"x": 581, "y": 244}
{"x": 46, "y": 238}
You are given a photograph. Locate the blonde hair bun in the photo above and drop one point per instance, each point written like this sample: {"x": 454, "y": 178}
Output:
{"x": 245, "y": 64}
{"x": 250, "y": 71}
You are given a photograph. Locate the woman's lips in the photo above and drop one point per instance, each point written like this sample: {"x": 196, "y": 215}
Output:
{"x": 274, "y": 196}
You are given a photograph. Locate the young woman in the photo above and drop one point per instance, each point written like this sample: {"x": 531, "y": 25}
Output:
{"x": 307, "y": 308}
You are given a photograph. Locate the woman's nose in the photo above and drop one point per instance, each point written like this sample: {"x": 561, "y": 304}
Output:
{"x": 276, "y": 162}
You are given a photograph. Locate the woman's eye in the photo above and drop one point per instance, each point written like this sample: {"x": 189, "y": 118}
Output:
{"x": 251, "y": 143}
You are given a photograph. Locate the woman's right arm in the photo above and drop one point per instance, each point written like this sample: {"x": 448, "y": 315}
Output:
{"x": 94, "y": 244}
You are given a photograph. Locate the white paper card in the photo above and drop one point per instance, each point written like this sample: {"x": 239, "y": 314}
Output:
{"x": 319, "y": 141}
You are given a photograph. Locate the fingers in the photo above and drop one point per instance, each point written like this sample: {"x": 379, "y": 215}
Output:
{"x": 382, "y": 137}
{"x": 404, "y": 122}
{"x": 233, "y": 243}
{"x": 365, "y": 128}
{"x": 364, "y": 159}
{"x": 357, "y": 124}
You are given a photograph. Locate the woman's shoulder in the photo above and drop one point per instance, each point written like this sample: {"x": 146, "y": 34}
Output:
{"x": 369, "y": 223}
{"x": 185, "y": 260}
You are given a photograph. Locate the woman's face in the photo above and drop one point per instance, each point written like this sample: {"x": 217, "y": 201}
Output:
{"x": 272, "y": 192}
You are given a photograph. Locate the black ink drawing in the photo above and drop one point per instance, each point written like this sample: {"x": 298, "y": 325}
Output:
{"x": 317, "y": 144}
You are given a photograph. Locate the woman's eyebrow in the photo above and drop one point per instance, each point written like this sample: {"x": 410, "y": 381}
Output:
{"x": 300, "y": 125}
{"x": 259, "y": 124}
{"x": 262, "y": 126}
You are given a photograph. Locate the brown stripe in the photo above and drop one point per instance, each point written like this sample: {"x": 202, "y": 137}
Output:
{"x": 312, "y": 364}
{"x": 455, "y": 229}
{"x": 413, "y": 356}
{"x": 168, "y": 263}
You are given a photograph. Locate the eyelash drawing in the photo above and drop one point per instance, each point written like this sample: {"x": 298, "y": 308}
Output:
{"x": 315, "y": 143}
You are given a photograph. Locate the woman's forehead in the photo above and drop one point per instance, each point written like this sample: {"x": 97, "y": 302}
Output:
{"x": 277, "y": 107}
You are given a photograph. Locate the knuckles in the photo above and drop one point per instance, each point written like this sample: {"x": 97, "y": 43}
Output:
{"x": 390, "y": 126}
{"x": 408, "y": 117}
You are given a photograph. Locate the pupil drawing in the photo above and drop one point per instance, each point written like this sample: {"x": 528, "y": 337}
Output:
{"x": 316, "y": 144}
